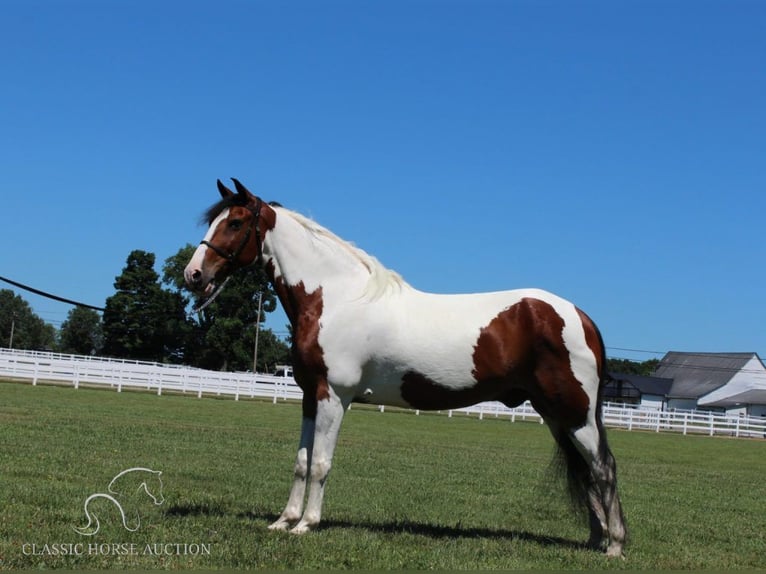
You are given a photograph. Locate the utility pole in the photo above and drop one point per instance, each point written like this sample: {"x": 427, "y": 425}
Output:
{"x": 257, "y": 331}
{"x": 13, "y": 327}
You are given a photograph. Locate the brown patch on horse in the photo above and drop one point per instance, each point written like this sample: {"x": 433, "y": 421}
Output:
{"x": 420, "y": 392}
{"x": 519, "y": 355}
{"x": 558, "y": 393}
{"x": 267, "y": 219}
{"x": 304, "y": 310}
{"x": 501, "y": 368}
{"x": 227, "y": 240}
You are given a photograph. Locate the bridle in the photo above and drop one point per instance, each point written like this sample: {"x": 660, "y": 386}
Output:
{"x": 232, "y": 257}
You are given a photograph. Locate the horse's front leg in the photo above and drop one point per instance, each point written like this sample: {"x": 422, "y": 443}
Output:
{"x": 292, "y": 512}
{"x": 329, "y": 416}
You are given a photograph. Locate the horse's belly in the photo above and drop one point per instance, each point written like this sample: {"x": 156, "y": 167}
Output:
{"x": 410, "y": 387}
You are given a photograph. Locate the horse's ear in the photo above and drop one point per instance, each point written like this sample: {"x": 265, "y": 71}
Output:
{"x": 223, "y": 190}
{"x": 241, "y": 189}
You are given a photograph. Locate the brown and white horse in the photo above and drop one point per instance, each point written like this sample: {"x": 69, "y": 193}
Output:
{"x": 361, "y": 333}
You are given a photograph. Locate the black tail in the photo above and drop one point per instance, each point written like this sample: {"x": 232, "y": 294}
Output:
{"x": 569, "y": 461}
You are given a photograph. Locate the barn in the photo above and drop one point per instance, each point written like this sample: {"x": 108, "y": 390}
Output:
{"x": 642, "y": 391}
{"x": 734, "y": 382}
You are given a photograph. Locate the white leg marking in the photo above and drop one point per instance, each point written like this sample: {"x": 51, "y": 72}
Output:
{"x": 329, "y": 417}
{"x": 292, "y": 512}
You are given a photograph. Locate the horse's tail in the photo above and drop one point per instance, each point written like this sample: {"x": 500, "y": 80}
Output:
{"x": 570, "y": 462}
{"x": 89, "y": 529}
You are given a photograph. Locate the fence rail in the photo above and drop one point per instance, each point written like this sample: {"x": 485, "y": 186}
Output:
{"x": 156, "y": 377}
{"x": 120, "y": 374}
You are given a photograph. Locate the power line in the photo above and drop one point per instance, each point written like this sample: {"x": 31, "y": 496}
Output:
{"x": 50, "y": 295}
{"x": 638, "y": 351}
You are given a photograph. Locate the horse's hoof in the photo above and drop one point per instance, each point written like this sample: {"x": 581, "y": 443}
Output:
{"x": 302, "y": 528}
{"x": 615, "y": 551}
{"x": 280, "y": 524}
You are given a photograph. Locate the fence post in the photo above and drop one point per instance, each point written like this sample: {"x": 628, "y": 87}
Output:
{"x": 686, "y": 422}
{"x": 710, "y": 422}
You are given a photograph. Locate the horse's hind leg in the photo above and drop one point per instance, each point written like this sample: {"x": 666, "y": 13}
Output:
{"x": 590, "y": 441}
{"x": 582, "y": 486}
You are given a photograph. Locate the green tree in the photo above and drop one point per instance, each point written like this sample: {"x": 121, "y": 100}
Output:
{"x": 629, "y": 367}
{"x": 223, "y": 334}
{"x": 20, "y": 327}
{"x": 141, "y": 320}
{"x": 81, "y": 333}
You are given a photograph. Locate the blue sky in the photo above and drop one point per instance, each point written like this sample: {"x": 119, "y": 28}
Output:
{"x": 611, "y": 152}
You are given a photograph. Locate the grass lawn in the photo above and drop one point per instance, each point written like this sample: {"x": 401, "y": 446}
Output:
{"x": 406, "y": 491}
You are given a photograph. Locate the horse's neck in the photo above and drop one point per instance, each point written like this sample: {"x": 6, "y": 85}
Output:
{"x": 302, "y": 257}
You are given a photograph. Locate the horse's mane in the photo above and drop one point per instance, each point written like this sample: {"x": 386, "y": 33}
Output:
{"x": 381, "y": 278}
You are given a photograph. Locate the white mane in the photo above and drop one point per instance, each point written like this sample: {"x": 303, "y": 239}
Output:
{"x": 381, "y": 278}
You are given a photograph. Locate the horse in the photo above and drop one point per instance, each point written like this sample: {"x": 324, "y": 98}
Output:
{"x": 126, "y": 485}
{"x": 362, "y": 334}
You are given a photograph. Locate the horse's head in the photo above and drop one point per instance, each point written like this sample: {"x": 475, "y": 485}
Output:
{"x": 238, "y": 224}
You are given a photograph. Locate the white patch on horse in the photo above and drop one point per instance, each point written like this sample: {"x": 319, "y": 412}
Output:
{"x": 197, "y": 260}
{"x": 583, "y": 362}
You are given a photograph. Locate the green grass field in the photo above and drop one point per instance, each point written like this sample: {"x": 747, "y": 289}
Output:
{"x": 406, "y": 492}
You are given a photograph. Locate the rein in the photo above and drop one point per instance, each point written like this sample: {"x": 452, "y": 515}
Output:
{"x": 231, "y": 258}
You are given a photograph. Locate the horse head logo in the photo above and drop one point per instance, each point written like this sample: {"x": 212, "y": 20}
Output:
{"x": 125, "y": 491}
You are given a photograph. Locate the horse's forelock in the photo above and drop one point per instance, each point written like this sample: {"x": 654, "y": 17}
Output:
{"x": 218, "y": 208}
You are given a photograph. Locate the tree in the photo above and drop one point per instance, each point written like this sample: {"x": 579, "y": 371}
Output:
{"x": 223, "y": 334}
{"x": 20, "y": 327}
{"x": 629, "y": 367}
{"x": 141, "y": 320}
{"x": 81, "y": 333}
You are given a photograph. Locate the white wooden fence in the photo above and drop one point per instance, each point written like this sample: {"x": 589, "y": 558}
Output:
{"x": 122, "y": 374}
{"x": 156, "y": 377}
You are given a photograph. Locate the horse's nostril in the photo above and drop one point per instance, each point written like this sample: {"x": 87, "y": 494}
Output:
{"x": 196, "y": 275}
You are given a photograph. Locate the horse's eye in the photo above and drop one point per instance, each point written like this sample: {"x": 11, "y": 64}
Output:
{"x": 235, "y": 224}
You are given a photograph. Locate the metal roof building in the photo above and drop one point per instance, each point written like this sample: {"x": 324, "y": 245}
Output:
{"x": 713, "y": 380}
